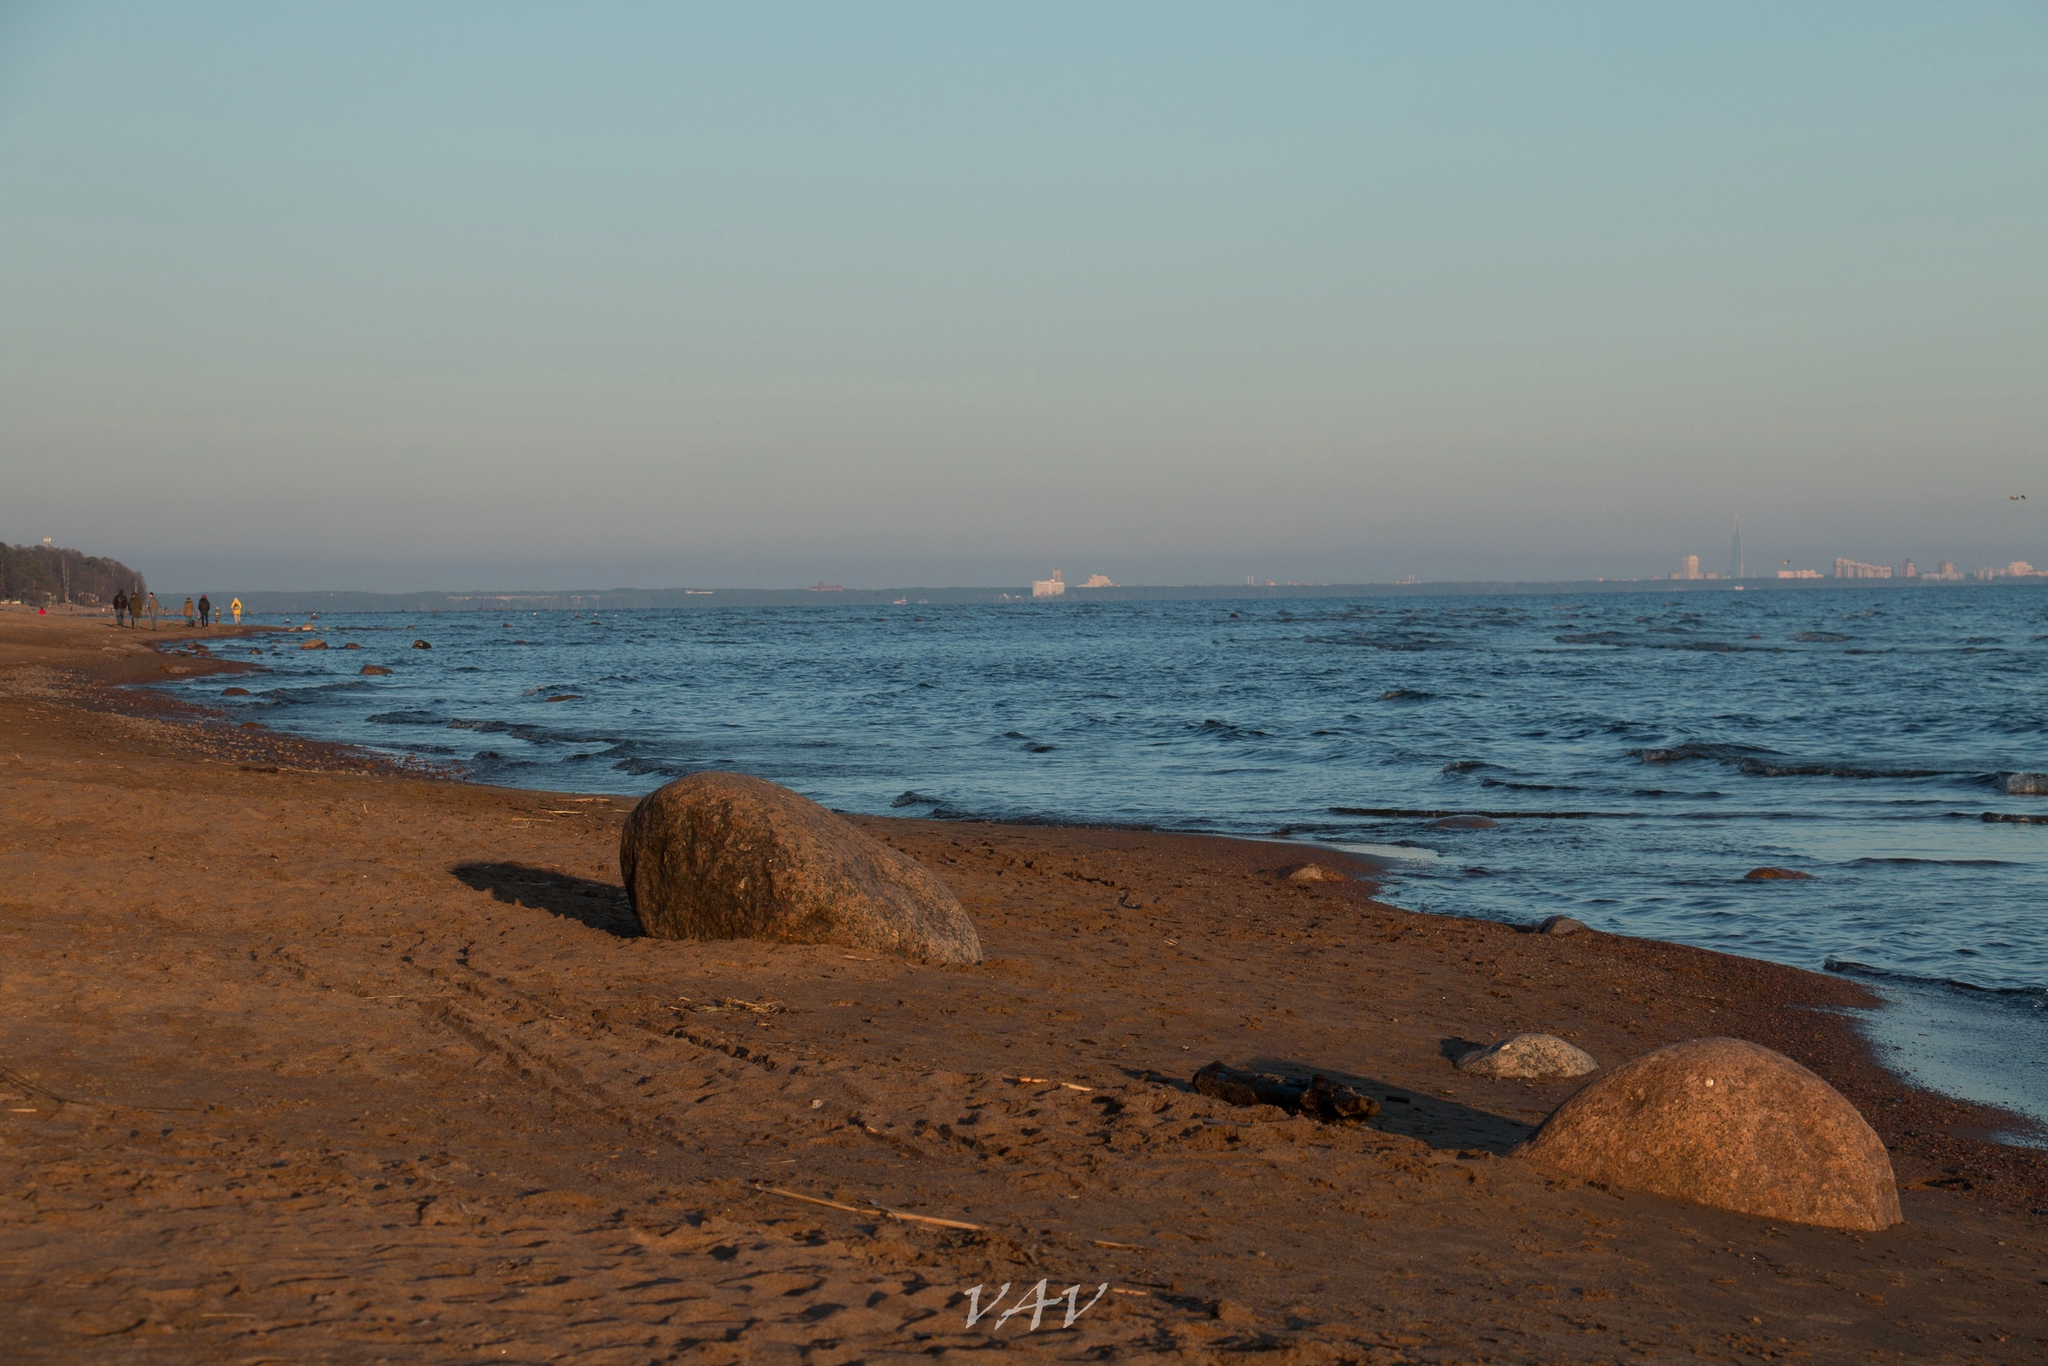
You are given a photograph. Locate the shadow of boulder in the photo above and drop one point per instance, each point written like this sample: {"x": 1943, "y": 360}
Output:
{"x": 1438, "y": 1122}
{"x": 600, "y": 905}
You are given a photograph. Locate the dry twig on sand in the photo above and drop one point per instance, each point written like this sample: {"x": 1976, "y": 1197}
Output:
{"x": 858, "y": 1209}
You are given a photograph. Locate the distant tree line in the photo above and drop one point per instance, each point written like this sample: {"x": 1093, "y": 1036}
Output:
{"x": 45, "y": 574}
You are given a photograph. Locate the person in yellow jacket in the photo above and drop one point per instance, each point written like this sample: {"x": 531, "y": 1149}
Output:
{"x": 236, "y": 608}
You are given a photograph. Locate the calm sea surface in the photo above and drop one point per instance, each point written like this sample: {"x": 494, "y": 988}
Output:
{"x": 1640, "y": 752}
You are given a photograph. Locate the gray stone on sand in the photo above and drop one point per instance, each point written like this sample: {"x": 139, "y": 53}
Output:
{"x": 1560, "y": 924}
{"x": 728, "y": 856}
{"x": 1316, "y": 872}
{"x": 1529, "y": 1055}
{"x": 1727, "y": 1123}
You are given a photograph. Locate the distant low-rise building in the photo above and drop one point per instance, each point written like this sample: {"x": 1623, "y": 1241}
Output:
{"x": 1054, "y": 587}
{"x": 1691, "y": 569}
{"x": 1798, "y": 573}
{"x": 1856, "y": 569}
{"x": 1097, "y": 581}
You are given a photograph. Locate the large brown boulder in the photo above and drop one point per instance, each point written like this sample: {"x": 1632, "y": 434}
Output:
{"x": 1727, "y": 1123}
{"x": 726, "y": 856}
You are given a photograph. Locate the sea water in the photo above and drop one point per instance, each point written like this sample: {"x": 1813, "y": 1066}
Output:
{"x": 1639, "y": 751}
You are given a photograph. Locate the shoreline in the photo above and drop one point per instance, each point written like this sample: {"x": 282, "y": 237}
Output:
{"x": 423, "y": 997}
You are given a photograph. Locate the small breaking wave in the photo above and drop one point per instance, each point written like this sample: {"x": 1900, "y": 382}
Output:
{"x": 406, "y": 718}
{"x": 1878, "y": 861}
{"x": 2034, "y": 996}
{"x": 1425, "y": 813}
{"x": 1227, "y": 731}
{"x": 1764, "y": 763}
{"x": 1692, "y": 749}
{"x": 1767, "y": 770}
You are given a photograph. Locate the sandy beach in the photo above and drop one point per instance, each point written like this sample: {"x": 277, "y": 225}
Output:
{"x": 308, "y": 1059}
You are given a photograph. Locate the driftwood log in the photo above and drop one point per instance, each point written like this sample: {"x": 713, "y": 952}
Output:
{"x": 1321, "y": 1097}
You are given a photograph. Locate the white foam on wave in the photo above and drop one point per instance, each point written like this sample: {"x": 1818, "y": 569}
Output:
{"x": 1409, "y": 852}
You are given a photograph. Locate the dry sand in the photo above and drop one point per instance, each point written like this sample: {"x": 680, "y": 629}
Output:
{"x": 308, "y": 1060}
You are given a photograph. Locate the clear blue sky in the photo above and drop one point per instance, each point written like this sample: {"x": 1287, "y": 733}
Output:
{"x": 491, "y": 295}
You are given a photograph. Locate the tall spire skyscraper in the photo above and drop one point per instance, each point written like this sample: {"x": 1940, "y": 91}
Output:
{"x": 1735, "y": 551}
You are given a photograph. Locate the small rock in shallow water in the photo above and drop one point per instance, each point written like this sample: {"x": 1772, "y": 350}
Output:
{"x": 375, "y": 669}
{"x": 1775, "y": 874}
{"x": 314, "y": 645}
{"x": 234, "y": 692}
{"x": 1560, "y": 924}
{"x": 1529, "y": 1055}
{"x": 1464, "y": 823}
{"x": 1727, "y": 1123}
{"x": 421, "y": 645}
{"x": 2024, "y": 784}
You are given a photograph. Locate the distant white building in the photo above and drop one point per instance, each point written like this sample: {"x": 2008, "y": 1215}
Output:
{"x": 1097, "y": 581}
{"x": 1054, "y": 587}
{"x": 1798, "y": 573}
{"x": 1691, "y": 570}
{"x": 1854, "y": 569}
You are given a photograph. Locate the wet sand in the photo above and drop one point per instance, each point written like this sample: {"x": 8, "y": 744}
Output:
{"x": 309, "y": 1060}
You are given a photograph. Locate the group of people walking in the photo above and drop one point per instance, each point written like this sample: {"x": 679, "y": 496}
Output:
{"x": 134, "y": 607}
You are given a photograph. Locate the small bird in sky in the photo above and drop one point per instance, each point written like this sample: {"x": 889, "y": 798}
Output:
{"x": 2015, "y": 497}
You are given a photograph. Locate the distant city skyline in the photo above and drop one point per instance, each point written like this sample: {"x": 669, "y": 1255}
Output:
{"x": 388, "y": 296}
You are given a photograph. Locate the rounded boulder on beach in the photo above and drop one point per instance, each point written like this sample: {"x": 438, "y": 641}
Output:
{"x": 1726, "y": 1123}
{"x": 728, "y": 856}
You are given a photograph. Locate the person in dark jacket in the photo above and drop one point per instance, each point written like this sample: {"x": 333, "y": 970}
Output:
{"x": 205, "y": 607}
{"x": 120, "y": 605}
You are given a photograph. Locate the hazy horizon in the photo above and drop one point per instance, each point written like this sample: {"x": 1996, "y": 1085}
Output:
{"x": 388, "y": 298}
